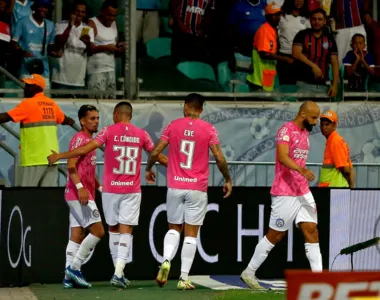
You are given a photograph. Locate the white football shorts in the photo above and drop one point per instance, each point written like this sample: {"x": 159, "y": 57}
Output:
{"x": 286, "y": 209}
{"x": 121, "y": 208}
{"x": 186, "y": 206}
{"x": 83, "y": 215}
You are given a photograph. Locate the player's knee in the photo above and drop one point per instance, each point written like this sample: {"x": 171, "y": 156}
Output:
{"x": 275, "y": 236}
{"x": 311, "y": 234}
{"x": 113, "y": 228}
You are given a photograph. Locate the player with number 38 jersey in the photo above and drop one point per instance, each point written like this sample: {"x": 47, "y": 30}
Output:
{"x": 189, "y": 140}
{"x": 121, "y": 196}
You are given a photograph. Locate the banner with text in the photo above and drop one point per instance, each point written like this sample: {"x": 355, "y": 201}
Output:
{"x": 35, "y": 232}
{"x": 247, "y": 133}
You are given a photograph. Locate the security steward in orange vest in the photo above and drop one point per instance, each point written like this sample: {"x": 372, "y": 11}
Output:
{"x": 337, "y": 170}
{"x": 38, "y": 116}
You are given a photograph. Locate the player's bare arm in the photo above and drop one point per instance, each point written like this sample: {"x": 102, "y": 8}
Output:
{"x": 156, "y": 155}
{"x": 223, "y": 168}
{"x": 284, "y": 159}
{"x": 73, "y": 172}
{"x": 68, "y": 121}
{"x": 54, "y": 157}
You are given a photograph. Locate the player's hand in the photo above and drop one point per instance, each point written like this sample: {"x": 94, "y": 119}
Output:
{"x": 52, "y": 158}
{"x": 150, "y": 177}
{"x": 227, "y": 189}
{"x": 309, "y": 175}
{"x": 83, "y": 196}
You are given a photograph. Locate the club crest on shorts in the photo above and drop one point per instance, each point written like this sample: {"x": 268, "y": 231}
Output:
{"x": 280, "y": 222}
{"x": 95, "y": 213}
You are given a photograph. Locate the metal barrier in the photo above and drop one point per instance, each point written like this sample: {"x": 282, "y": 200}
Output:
{"x": 247, "y": 173}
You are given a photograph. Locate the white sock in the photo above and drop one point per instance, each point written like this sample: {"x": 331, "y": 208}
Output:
{"x": 261, "y": 253}
{"x": 84, "y": 251}
{"x": 187, "y": 256}
{"x": 114, "y": 245}
{"x": 71, "y": 251}
{"x": 122, "y": 253}
{"x": 313, "y": 254}
{"x": 171, "y": 242}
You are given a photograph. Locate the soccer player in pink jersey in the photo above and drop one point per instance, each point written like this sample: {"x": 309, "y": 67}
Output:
{"x": 80, "y": 196}
{"x": 291, "y": 196}
{"x": 121, "y": 196}
{"x": 189, "y": 140}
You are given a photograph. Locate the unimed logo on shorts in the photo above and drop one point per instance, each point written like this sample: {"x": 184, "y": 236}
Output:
{"x": 305, "y": 285}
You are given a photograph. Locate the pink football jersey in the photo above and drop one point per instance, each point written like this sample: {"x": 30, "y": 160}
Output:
{"x": 122, "y": 157}
{"x": 286, "y": 181}
{"x": 188, "y": 161}
{"x": 86, "y": 168}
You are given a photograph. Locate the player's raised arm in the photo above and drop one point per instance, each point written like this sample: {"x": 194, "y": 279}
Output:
{"x": 52, "y": 158}
{"x": 223, "y": 168}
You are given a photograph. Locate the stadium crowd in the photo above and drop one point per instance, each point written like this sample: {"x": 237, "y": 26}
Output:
{"x": 240, "y": 45}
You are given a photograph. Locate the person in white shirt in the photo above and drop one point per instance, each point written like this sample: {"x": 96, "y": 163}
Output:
{"x": 101, "y": 65}
{"x": 75, "y": 40}
{"x": 294, "y": 20}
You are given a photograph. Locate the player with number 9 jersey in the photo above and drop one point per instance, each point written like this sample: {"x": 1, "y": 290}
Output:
{"x": 189, "y": 140}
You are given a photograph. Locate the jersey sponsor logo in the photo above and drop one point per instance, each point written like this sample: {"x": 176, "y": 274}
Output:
{"x": 195, "y": 10}
{"x": 122, "y": 183}
{"x": 93, "y": 160}
{"x": 185, "y": 179}
{"x": 300, "y": 153}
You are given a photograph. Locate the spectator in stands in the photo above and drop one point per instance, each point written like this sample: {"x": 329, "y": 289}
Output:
{"x": 294, "y": 20}
{"x": 358, "y": 64}
{"x": 33, "y": 38}
{"x": 75, "y": 39}
{"x": 192, "y": 22}
{"x": 22, "y": 8}
{"x": 147, "y": 20}
{"x": 5, "y": 34}
{"x": 101, "y": 66}
{"x": 264, "y": 54}
{"x": 245, "y": 18}
{"x": 347, "y": 18}
{"x": 337, "y": 170}
{"x": 39, "y": 117}
{"x": 374, "y": 36}
{"x": 314, "y": 50}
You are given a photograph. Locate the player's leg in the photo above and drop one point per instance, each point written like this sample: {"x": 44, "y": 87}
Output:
{"x": 129, "y": 213}
{"x": 78, "y": 223}
{"x": 306, "y": 220}
{"x": 93, "y": 223}
{"x": 110, "y": 204}
{"x": 283, "y": 212}
{"x": 76, "y": 237}
{"x": 175, "y": 213}
{"x": 195, "y": 211}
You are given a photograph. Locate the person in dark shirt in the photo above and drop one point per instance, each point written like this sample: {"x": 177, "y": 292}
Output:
{"x": 358, "y": 64}
{"x": 314, "y": 51}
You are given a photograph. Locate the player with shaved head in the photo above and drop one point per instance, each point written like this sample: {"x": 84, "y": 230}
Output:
{"x": 291, "y": 196}
{"x": 121, "y": 196}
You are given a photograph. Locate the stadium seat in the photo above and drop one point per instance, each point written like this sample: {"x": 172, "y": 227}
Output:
{"x": 159, "y": 47}
{"x": 197, "y": 70}
{"x": 164, "y": 24}
{"x": 224, "y": 76}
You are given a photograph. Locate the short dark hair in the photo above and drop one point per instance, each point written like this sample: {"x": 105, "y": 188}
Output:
{"x": 357, "y": 35}
{"x": 76, "y": 3}
{"x": 319, "y": 11}
{"x": 123, "y": 104}
{"x": 84, "y": 109}
{"x": 195, "y": 100}
{"x": 109, "y": 3}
